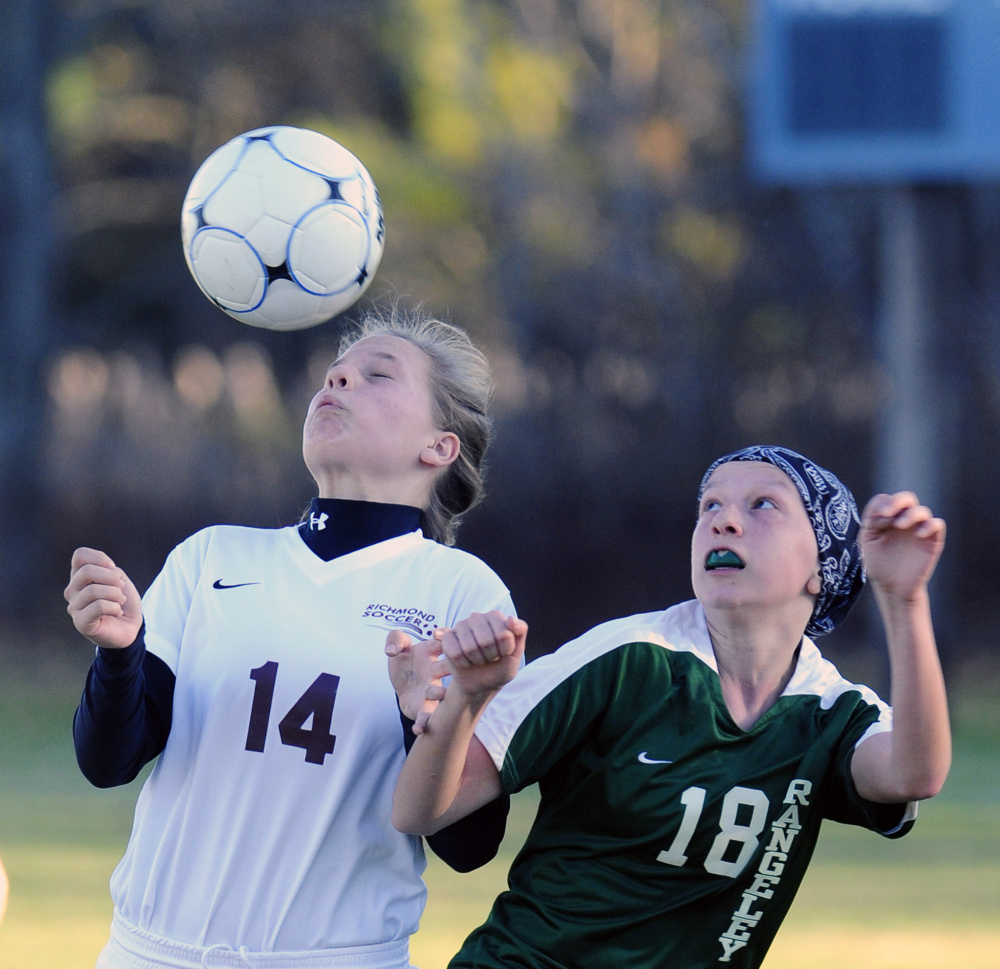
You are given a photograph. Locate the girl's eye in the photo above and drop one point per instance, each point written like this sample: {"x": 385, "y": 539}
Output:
{"x": 710, "y": 504}
{"x": 765, "y": 503}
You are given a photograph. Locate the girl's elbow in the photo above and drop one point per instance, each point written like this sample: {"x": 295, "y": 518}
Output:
{"x": 927, "y": 785}
{"x": 901, "y": 789}
{"x": 937, "y": 774}
{"x": 402, "y": 823}
{"x": 930, "y": 787}
{"x": 407, "y": 823}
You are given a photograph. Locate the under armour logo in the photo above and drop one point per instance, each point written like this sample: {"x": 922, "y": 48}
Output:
{"x": 318, "y": 522}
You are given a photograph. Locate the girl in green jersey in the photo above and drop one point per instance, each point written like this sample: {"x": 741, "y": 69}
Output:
{"x": 686, "y": 758}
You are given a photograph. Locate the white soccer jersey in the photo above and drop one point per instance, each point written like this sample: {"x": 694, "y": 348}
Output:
{"x": 266, "y": 820}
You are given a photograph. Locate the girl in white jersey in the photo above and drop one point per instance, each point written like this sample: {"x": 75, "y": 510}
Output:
{"x": 253, "y": 671}
{"x": 687, "y": 758}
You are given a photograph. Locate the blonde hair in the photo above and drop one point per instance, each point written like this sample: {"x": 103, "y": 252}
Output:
{"x": 462, "y": 387}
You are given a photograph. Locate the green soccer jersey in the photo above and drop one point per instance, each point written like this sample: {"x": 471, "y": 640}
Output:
{"x": 667, "y": 837}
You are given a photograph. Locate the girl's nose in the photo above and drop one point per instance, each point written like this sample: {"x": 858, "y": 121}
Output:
{"x": 341, "y": 377}
{"x": 727, "y": 521}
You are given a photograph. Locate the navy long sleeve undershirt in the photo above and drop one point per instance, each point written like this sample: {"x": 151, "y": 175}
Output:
{"x": 124, "y": 716}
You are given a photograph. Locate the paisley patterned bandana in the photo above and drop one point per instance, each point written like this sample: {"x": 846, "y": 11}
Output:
{"x": 835, "y": 520}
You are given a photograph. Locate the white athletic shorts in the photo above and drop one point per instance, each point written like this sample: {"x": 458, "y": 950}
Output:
{"x": 133, "y": 948}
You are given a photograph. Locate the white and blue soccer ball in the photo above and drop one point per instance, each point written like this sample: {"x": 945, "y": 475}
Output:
{"x": 282, "y": 228}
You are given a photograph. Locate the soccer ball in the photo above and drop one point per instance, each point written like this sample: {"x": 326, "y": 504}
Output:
{"x": 282, "y": 228}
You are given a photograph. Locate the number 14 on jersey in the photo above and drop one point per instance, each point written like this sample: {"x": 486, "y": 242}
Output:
{"x": 316, "y": 703}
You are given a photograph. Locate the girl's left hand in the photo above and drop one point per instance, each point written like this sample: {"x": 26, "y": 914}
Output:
{"x": 901, "y": 542}
{"x": 416, "y": 671}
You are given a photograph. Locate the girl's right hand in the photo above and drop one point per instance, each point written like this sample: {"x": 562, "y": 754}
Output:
{"x": 484, "y": 651}
{"x": 102, "y": 601}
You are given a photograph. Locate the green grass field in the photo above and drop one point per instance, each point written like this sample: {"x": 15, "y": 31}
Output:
{"x": 930, "y": 901}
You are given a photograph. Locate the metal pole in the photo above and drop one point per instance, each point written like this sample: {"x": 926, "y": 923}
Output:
{"x": 907, "y": 440}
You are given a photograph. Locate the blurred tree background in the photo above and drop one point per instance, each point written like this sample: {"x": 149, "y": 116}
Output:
{"x": 566, "y": 179}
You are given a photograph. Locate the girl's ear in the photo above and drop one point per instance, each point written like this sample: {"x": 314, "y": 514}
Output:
{"x": 442, "y": 451}
{"x": 815, "y": 584}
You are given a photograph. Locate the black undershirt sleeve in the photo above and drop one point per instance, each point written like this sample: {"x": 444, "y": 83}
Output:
{"x": 475, "y": 839}
{"x": 124, "y": 715}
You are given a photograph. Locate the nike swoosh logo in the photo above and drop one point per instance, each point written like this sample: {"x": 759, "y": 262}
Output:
{"x": 644, "y": 758}
{"x": 219, "y": 584}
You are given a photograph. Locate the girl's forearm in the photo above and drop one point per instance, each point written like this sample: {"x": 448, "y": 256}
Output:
{"x": 921, "y": 734}
{"x": 438, "y": 769}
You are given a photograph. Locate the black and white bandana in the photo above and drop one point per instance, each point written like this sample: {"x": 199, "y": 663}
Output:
{"x": 835, "y": 520}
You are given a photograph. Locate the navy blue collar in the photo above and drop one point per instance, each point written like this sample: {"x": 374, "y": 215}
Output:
{"x": 336, "y": 526}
